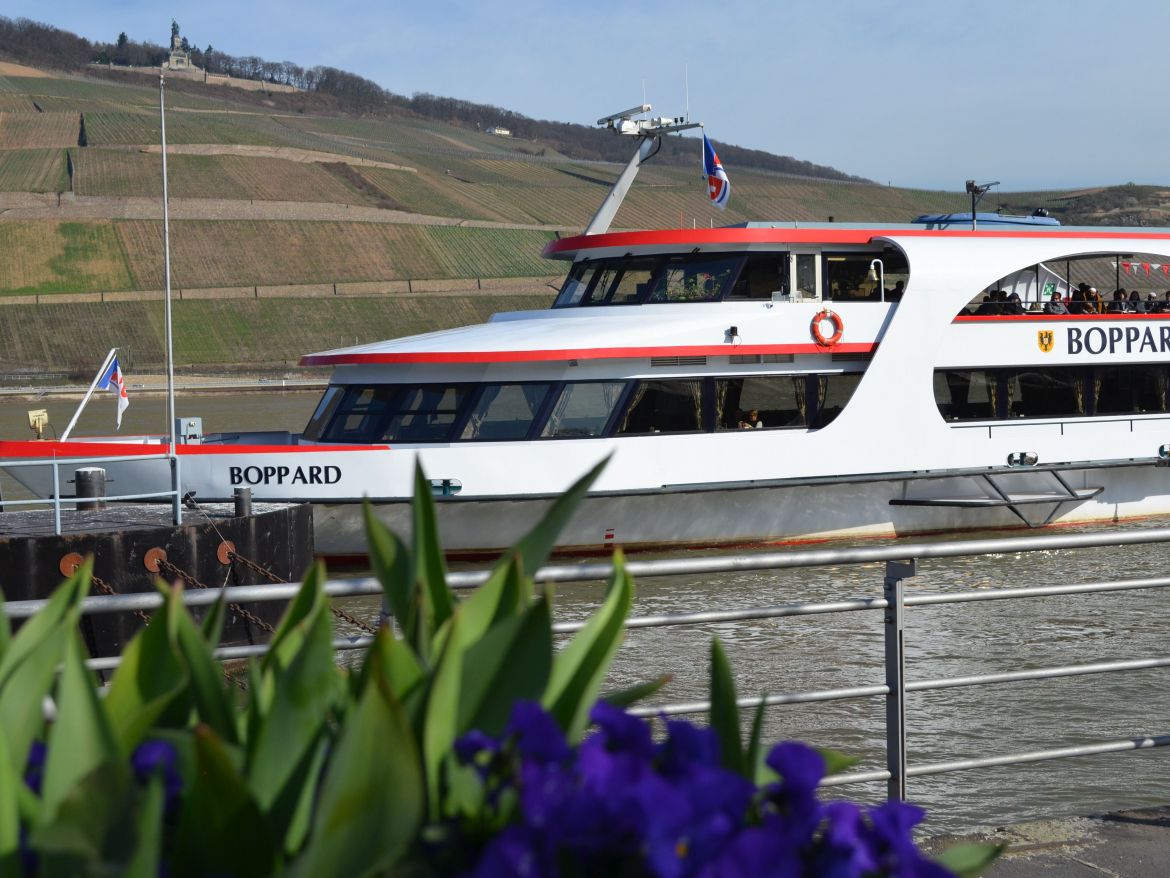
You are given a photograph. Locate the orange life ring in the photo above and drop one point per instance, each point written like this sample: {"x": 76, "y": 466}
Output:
{"x": 838, "y": 328}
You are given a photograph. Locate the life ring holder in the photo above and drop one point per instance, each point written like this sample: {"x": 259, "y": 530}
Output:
{"x": 838, "y": 328}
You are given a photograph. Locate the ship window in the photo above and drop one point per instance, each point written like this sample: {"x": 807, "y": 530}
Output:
{"x": 966, "y": 395}
{"x": 576, "y": 284}
{"x": 765, "y": 277}
{"x": 664, "y": 407}
{"x": 620, "y": 282}
{"x": 778, "y": 401}
{"x": 833, "y": 393}
{"x": 324, "y": 412}
{"x": 424, "y": 414}
{"x": 505, "y": 411}
{"x": 1122, "y": 390}
{"x": 583, "y": 409}
{"x": 360, "y": 414}
{"x": 687, "y": 279}
{"x": 1046, "y": 393}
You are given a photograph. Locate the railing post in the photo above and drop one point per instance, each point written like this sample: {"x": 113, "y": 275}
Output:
{"x": 176, "y": 498}
{"x": 56, "y": 499}
{"x": 896, "y": 571}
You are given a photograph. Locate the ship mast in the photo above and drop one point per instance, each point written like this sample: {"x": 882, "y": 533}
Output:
{"x": 649, "y": 134}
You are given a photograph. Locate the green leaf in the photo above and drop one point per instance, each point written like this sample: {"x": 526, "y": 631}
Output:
{"x": 535, "y": 546}
{"x": 372, "y": 799}
{"x": 440, "y": 718}
{"x": 504, "y": 594}
{"x": 212, "y": 627}
{"x": 511, "y": 662}
{"x": 63, "y": 604}
{"x": 836, "y": 761}
{"x": 81, "y": 738}
{"x": 300, "y": 811}
{"x": 221, "y": 830}
{"x": 306, "y": 683}
{"x": 89, "y": 827}
{"x": 23, "y": 694}
{"x": 397, "y": 663}
{"x": 969, "y": 860}
{"x": 430, "y": 573}
{"x": 580, "y": 668}
{"x": 148, "y": 848}
{"x": 631, "y": 695}
{"x": 757, "y": 770}
{"x": 204, "y": 673}
{"x": 10, "y": 780}
{"x": 724, "y": 714}
{"x": 147, "y": 681}
{"x": 391, "y": 564}
{"x": 286, "y": 640}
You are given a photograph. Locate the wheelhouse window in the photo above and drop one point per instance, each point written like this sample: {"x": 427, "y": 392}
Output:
{"x": 764, "y": 276}
{"x": 766, "y": 402}
{"x": 389, "y": 413}
{"x": 664, "y": 407}
{"x": 504, "y": 411}
{"x": 583, "y": 410}
{"x": 690, "y": 279}
{"x": 866, "y": 276}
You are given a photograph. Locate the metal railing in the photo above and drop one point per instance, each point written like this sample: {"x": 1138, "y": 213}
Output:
{"x": 56, "y": 501}
{"x": 893, "y": 604}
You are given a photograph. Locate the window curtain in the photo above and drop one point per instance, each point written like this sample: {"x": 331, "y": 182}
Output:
{"x": 475, "y": 422}
{"x": 635, "y": 398}
{"x": 800, "y": 393}
{"x": 696, "y": 391}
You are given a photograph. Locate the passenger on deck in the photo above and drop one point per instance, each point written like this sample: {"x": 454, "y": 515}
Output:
{"x": 1078, "y": 305}
{"x": 987, "y": 306}
{"x": 1094, "y": 300}
{"x": 1120, "y": 304}
{"x": 1013, "y": 305}
{"x": 896, "y": 293}
{"x": 1136, "y": 305}
{"x": 1056, "y": 305}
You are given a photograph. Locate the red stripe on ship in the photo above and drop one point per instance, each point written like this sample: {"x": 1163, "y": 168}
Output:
{"x": 536, "y": 356}
{"x": 49, "y": 449}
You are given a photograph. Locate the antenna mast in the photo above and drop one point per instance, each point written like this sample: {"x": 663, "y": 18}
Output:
{"x": 649, "y": 134}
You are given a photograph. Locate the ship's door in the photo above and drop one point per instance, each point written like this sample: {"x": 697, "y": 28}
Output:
{"x": 805, "y": 282}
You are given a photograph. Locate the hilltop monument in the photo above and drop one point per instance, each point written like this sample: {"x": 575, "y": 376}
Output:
{"x": 180, "y": 57}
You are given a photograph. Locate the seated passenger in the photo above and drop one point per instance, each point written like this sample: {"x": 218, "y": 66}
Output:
{"x": 1056, "y": 305}
{"x": 1096, "y": 306}
{"x": 1013, "y": 305}
{"x": 1136, "y": 305}
{"x": 1120, "y": 304}
{"x": 1077, "y": 304}
{"x": 988, "y": 306}
{"x": 751, "y": 421}
{"x": 897, "y": 292}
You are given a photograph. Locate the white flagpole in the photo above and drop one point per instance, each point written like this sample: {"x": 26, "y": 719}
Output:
{"x": 176, "y": 506}
{"x": 88, "y": 393}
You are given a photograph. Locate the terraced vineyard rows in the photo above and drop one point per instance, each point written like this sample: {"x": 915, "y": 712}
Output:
{"x": 33, "y": 130}
{"x": 33, "y": 170}
{"x": 50, "y": 257}
{"x": 233, "y": 253}
{"x": 134, "y": 128}
{"x": 117, "y": 172}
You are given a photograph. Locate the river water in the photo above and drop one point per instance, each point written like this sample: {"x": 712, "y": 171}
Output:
{"x": 824, "y": 652}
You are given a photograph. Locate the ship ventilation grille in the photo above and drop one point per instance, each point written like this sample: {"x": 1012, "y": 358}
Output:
{"x": 740, "y": 359}
{"x": 852, "y": 358}
{"x": 678, "y": 361}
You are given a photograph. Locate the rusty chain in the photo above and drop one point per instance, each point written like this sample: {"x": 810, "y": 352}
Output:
{"x": 276, "y": 580}
{"x": 107, "y": 589}
{"x": 191, "y": 581}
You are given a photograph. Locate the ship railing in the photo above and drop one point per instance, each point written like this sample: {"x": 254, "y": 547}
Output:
{"x": 55, "y": 501}
{"x": 900, "y": 564}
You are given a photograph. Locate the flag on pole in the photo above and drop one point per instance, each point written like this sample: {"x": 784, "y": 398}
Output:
{"x": 718, "y": 186}
{"x": 112, "y": 379}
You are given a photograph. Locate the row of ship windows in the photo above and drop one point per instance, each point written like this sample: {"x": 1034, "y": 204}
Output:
{"x": 576, "y": 410}
{"x": 1054, "y": 392}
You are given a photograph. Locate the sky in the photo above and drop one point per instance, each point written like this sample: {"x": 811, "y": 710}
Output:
{"x": 1036, "y": 94}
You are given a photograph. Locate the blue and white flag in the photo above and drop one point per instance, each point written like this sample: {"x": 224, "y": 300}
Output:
{"x": 718, "y": 186}
{"x": 112, "y": 379}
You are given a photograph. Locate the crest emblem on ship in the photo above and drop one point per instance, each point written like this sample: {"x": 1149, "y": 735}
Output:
{"x": 1045, "y": 339}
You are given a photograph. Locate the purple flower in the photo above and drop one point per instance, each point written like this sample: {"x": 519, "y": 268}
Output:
{"x": 512, "y": 853}
{"x": 844, "y": 851}
{"x": 34, "y": 771}
{"x": 155, "y": 756}
{"x": 622, "y": 732}
{"x": 537, "y": 734}
{"x": 893, "y": 844}
{"x": 472, "y": 744}
{"x": 688, "y": 746}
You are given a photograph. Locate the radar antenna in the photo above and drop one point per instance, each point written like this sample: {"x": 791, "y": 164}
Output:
{"x": 649, "y": 134}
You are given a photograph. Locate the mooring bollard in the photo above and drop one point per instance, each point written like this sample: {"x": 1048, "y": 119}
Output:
{"x": 90, "y": 481}
{"x": 243, "y": 502}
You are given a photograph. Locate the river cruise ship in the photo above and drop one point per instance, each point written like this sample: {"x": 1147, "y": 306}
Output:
{"x": 752, "y": 384}
{"x": 748, "y": 385}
